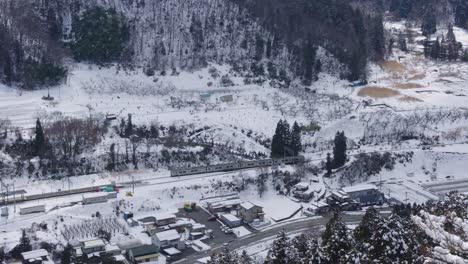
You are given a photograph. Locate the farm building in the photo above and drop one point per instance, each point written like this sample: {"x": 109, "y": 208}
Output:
{"x": 29, "y": 209}
{"x": 223, "y": 206}
{"x": 248, "y": 212}
{"x": 143, "y": 253}
{"x": 230, "y": 220}
{"x": 365, "y": 194}
{"x": 40, "y": 256}
{"x": 168, "y": 238}
{"x": 100, "y": 197}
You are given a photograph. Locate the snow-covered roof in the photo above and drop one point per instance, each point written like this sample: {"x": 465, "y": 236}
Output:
{"x": 94, "y": 195}
{"x": 93, "y": 243}
{"x": 247, "y": 205}
{"x": 31, "y": 206}
{"x": 110, "y": 248}
{"x": 302, "y": 185}
{"x": 35, "y": 254}
{"x": 230, "y": 217}
{"x": 172, "y": 251}
{"x": 200, "y": 245}
{"x": 226, "y": 203}
{"x": 164, "y": 216}
{"x": 198, "y": 226}
{"x": 168, "y": 235}
{"x": 359, "y": 188}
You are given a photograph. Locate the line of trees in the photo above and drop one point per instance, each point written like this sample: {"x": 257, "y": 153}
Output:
{"x": 286, "y": 142}
{"x": 446, "y": 48}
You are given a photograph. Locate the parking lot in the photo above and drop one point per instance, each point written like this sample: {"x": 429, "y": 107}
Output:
{"x": 201, "y": 216}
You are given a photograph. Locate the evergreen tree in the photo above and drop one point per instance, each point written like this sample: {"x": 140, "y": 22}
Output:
{"x": 450, "y": 35}
{"x": 314, "y": 253}
{"x": 402, "y": 43}
{"x": 8, "y": 69}
{"x": 280, "y": 144}
{"x": 363, "y": 233}
{"x": 39, "y": 140}
{"x": 282, "y": 251}
{"x": 435, "y": 50}
{"x": 245, "y": 259}
{"x": 387, "y": 244}
{"x": 67, "y": 255}
{"x": 129, "y": 127}
{"x": 226, "y": 256}
{"x": 405, "y": 8}
{"x": 339, "y": 149}
{"x": 378, "y": 38}
{"x": 329, "y": 165}
{"x": 336, "y": 240}
{"x": 23, "y": 246}
{"x": 429, "y": 24}
{"x": 296, "y": 141}
{"x": 443, "y": 52}
{"x": 465, "y": 56}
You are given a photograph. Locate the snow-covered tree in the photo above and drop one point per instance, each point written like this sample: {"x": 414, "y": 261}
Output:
{"x": 336, "y": 240}
{"x": 282, "y": 251}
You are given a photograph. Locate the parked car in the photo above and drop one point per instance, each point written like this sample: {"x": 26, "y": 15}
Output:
{"x": 228, "y": 231}
{"x": 212, "y": 218}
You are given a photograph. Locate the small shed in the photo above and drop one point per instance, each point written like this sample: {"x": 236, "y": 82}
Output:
{"x": 226, "y": 98}
{"x": 230, "y": 220}
{"x": 172, "y": 253}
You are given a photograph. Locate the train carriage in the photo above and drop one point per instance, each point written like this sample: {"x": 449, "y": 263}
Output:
{"x": 236, "y": 166}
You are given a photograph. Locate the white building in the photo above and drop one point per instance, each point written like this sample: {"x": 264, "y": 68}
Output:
{"x": 40, "y": 256}
{"x": 99, "y": 197}
{"x": 168, "y": 238}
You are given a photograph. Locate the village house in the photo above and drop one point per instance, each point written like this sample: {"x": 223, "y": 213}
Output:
{"x": 365, "y": 194}
{"x": 248, "y": 212}
{"x": 169, "y": 238}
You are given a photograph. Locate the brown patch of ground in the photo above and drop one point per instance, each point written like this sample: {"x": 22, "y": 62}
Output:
{"x": 377, "y": 92}
{"x": 407, "y": 85}
{"x": 392, "y": 66}
{"x": 409, "y": 99}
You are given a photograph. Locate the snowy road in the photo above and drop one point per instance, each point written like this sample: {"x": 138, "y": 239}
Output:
{"x": 307, "y": 224}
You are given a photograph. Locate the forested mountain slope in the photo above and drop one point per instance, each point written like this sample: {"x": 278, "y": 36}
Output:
{"x": 275, "y": 38}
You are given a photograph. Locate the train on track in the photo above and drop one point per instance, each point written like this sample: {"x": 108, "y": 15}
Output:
{"x": 176, "y": 172}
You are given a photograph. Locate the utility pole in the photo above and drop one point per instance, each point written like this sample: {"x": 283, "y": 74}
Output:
{"x": 14, "y": 198}
{"x": 133, "y": 183}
